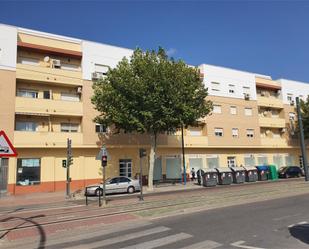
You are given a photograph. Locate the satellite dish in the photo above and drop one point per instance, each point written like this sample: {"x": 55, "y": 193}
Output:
{"x": 46, "y": 58}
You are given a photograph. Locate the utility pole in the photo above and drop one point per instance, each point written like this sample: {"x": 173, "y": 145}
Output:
{"x": 183, "y": 157}
{"x": 104, "y": 164}
{"x": 142, "y": 153}
{"x": 302, "y": 139}
{"x": 68, "y": 163}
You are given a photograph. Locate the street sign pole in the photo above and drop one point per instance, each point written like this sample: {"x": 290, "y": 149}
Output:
{"x": 104, "y": 196}
{"x": 1, "y": 173}
{"x": 69, "y": 161}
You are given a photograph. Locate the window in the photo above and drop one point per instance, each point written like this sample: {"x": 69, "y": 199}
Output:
{"x": 217, "y": 109}
{"x": 125, "y": 167}
{"x": 248, "y": 111}
{"x": 26, "y": 126}
{"x": 71, "y": 67}
{"x": 100, "y": 128}
{"x": 218, "y": 132}
{"x": 292, "y": 116}
{"x": 250, "y": 133}
{"x": 28, "y": 171}
{"x": 290, "y": 97}
{"x": 69, "y": 127}
{"x": 27, "y": 93}
{"x": 215, "y": 86}
{"x": 262, "y": 160}
{"x": 195, "y": 131}
{"x": 234, "y": 132}
{"x": 102, "y": 69}
{"x": 249, "y": 160}
{"x": 231, "y": 88}
{"x": 233, "y": 110}
{"x": 46, "y": 94}
{"x": 70, "y": 97}
{"x": 212, "y": 161}
{"x": 29, "y": 61}
{"x": 246, "y": 90}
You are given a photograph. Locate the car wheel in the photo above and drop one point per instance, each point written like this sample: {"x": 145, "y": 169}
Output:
{"x": 98, "y": 192}
{"x": 131, "y": 190}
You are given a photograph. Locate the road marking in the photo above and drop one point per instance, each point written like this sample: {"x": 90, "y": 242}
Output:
{"x": 120, "y": 238}
{"x": 160, "y": 242}
{"x": 207, "y": 244}
{"x": 240, "y": 243}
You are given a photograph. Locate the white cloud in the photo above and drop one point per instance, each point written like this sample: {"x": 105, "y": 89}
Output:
{"x": 171, "y": 51}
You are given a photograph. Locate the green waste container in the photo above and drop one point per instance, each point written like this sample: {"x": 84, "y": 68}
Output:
{"x": 273, "y": 174}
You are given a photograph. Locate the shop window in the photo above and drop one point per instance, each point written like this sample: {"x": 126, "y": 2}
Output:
{"x": 28, "y": 171}
{"x": 212, "y": 162}
{"x": 249, "y": 160}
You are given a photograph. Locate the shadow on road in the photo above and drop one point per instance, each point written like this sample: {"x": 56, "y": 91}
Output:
{"x": 300, "y": 232}
{"x": 27, "y": 220}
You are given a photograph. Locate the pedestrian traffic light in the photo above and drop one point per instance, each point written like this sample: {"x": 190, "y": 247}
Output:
{"x": 64, "y": 163}
{"x": 142, "y": 153}
{"x": 104, "y": 161}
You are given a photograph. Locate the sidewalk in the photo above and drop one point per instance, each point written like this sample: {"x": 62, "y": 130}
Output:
{"x": 59, "y": 198}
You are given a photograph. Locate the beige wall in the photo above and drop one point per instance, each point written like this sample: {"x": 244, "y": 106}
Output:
{"x": 227, "y": 121}
{"x": 7, "y": 101}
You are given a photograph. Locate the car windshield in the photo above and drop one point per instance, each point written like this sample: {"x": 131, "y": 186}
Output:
{"x": 282, "y": 169}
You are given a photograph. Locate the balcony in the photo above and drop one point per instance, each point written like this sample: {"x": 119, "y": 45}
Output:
{"x": 269, "y": 102}
{"x": 47, "y": 74}
{"x": 272, "y": 122}
{"x": 274, "y": 142}
{"x": 25, "y": 139}
{"x": 48, "y": 107}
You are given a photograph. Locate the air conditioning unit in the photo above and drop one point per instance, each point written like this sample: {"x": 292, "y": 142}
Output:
{"x": 292, "y": 102}
{"x": 246, "y": 96}
{"x": 283, "y": 130}
{"x": 268, "y": 132}
{"x": 56, "y": 63}
{"x": 262, "y": 93}
{"x": 79, "y": 89}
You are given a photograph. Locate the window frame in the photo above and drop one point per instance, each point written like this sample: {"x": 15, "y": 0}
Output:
{"x": 248, "y": 135}
{"x": 18, "y": 172}
{"x": 217, "y": 133}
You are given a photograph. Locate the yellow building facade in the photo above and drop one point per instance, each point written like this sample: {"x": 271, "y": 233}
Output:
{"x": 45, "y": 91}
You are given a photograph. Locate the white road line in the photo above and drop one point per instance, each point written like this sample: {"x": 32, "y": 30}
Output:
{"x": 120, "y": 238}
{"x": 160, "y": 242}
{"x": 240, "y": 243}
{"x": 207, "y": 244}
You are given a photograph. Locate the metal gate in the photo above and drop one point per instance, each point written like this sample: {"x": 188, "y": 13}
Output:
{"x": 4, "y": 175}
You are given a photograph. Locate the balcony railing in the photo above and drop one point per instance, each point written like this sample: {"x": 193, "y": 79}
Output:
{"x": 46, "y": 139}
{"x": 46, "y": 74}
{"x": 272, "y": 122}
{"x": 270, "y": 102}
{"x": 48, "y": 107}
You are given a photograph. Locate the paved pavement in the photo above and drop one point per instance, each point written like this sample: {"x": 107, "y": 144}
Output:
{"x": 43, "y": 223}
{"x": 273, "y": 224}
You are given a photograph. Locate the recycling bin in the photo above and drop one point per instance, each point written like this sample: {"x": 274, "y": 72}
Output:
{"x": 263, "y": 172}
{"x": 225, "y": 176}
{"x": 239, "y": 175}
{"x": 199, "y": 176}
{"x": 210, "y": 178}
{"x": 273, "y": 173}
{"x": 251, "y": 173}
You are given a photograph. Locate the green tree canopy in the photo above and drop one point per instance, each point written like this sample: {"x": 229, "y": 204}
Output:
{"x": 150, "y": 93}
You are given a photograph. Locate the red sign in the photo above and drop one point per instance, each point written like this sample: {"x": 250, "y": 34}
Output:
{"x": 6, "y": 147}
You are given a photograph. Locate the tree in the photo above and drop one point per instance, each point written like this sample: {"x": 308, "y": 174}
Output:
{"x": 150, "y": 93}
{"x": 304, "y": 108}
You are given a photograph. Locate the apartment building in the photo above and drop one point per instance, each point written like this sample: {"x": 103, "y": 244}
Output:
{"x": 45, "y": 90}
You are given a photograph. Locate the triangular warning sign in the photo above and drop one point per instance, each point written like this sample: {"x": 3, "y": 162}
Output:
{"x": 6, "y": 147}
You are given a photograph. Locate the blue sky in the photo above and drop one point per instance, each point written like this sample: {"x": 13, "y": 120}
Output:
{"x": 267, "y": 37}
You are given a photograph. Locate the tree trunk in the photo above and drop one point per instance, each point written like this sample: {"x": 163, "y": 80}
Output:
{"x": 152, "y": 155}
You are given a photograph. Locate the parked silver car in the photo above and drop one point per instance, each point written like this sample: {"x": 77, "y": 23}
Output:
{"x": 120, "y": 184}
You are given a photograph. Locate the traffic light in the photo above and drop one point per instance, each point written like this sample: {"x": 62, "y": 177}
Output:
{"x": 142, "y": 153}
{"x": 104, "y": 161}
{"x": 70, "y": 160}
{"x": 64, "y": 163}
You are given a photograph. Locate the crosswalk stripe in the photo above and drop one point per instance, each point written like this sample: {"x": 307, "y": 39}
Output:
{"x": 160, "y": 242}
{"x": 121, "y": 238}
{"x": 207, "y": 244}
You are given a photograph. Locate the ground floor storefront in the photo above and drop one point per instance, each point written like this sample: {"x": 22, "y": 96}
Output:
{"x": 41, "y": 170}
